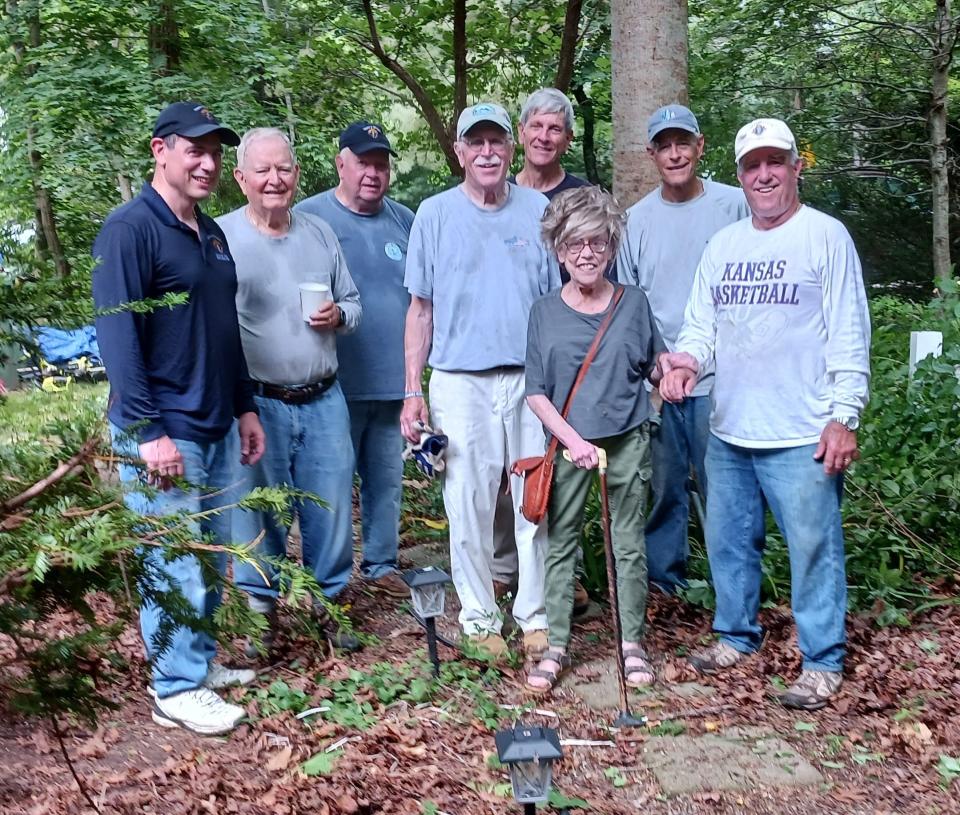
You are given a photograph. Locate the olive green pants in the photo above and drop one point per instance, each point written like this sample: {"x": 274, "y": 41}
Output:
{"x": 628, "y": 483}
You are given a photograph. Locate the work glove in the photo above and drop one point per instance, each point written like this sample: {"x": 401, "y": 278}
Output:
{"x": 428, "y": 452}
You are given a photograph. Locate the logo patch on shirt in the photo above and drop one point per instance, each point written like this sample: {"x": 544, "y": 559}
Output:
{"x": 393, "y": 251}
{"x": 220, "y": 251}
{"x": 516, "y": 242}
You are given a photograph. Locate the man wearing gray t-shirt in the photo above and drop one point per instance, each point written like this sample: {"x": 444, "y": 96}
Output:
{"x": 292, "y": 356}
{"x": 373, "y": 232}
{"x": 475, "y": 265}
{"x": 665, "y": 236}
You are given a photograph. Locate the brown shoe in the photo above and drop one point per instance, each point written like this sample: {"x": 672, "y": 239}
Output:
{"x": 812, "y": 690}
{"x": 391, "y": 583}
{"x": 581, "y": 600}
{"x": 717, "y": 657}
{"x": 489, "y": 645}
{"x": 534, "y": 644}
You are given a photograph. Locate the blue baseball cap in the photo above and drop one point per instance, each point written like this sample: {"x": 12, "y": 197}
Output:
{"x": 362, "y": 137}
{"x": 671, "y": 116}
{"x": 484, "y": 112}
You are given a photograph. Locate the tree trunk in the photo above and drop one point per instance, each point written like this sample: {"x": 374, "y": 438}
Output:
{"x": 442, "y": 131}
{"x": 163, "y": 39}
{"x": 459, "y": 56}
{"x": 568, "y": 45}
{"x": 649, "y": 59}
{"x": 585, "y": 103}
{"x": 47, "y": 238}
{"x": 945, "y": 41}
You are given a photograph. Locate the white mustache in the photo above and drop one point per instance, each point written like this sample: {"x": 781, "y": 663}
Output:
{"x": 494, "y": 161}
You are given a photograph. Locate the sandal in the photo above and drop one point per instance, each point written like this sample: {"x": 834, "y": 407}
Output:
{"x": 641, "y": 666}
{"x": 552, "y": 677}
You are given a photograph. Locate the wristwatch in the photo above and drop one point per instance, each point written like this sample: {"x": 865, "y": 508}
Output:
{"x": 849, "y": 422}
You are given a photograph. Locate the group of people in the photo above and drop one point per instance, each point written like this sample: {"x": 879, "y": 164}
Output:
{"x": 503, "y": 285}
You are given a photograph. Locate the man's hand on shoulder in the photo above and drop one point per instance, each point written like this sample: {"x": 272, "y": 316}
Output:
{"x": 325, "y": 318}
{"x": 837, "y": 448}
{"x": 163, "y": 461}
{"x": 253, "y": 441}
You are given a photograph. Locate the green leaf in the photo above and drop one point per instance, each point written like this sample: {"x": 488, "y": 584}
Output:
{"x": 559, "y": 801}
{"x": 321, "y": 763}
{"x": 805, "y": 727}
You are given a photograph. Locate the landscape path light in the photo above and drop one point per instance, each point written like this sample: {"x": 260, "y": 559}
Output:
{"x": 529, "y": 753}
{"x": 427, "y": 594}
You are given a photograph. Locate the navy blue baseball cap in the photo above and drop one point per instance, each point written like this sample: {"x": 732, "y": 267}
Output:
{"x": 362, "y": 137}
{"x": 191, "y": 119}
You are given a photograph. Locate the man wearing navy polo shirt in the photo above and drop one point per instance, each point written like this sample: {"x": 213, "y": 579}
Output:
{"x": 178, "y": 380}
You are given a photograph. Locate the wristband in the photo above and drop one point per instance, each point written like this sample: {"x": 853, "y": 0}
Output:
{"x": 413, "y": 395}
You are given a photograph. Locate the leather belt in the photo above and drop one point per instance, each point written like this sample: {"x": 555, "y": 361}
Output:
{"x": 294, "y": 394}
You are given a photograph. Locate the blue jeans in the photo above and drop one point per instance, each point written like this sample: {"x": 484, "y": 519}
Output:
{"x": 210, "y": 467}
{"x": 806, "y": 505}
{"x": 308, "y": 447}
{"x": 680, "y": 442}
{"x": 378, "y": 448}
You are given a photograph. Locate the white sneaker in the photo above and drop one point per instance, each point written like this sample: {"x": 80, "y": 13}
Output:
{"x": 200, "y": 710}
{"x": 220, "y": 676}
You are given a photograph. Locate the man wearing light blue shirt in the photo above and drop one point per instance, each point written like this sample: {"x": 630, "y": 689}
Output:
{"x": 665, "y": 236}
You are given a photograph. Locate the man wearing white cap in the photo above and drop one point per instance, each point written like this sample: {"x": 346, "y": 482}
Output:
{"x": 778, "y": 307}
{"x": 475, "y": 265}
{"x": 665, "y": 235}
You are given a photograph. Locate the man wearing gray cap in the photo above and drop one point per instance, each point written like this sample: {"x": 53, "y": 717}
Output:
{"x": 665, "y": 235}
{"x": 373, "y": 230}
{"x": 475, "y": 265}
{"x": 778, "y": 309}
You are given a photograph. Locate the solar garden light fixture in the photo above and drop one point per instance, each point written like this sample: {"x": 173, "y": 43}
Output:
{"x": 529, "y": 753}
{"x": 427, "y": 593}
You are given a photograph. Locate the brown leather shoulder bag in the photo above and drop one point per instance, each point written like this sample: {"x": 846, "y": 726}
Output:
{"x": 537, "y": 471}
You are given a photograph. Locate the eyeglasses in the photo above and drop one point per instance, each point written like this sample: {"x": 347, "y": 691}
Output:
{"x": 497, "y": 143}
{"x": 597, "y": 245}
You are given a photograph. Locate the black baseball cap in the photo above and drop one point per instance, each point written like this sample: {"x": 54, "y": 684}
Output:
{"x": 191, "y": 119}
{"x": 362, "y": 137}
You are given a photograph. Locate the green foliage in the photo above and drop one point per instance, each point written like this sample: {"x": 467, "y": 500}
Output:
{"x": 321, "y": 763}
{"x": 949, "y": 769}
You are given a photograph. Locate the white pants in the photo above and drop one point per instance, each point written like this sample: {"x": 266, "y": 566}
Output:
{"x": 489, "y": 426}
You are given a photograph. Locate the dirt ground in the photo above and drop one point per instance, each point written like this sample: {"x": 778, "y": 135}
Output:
{"x": 876, "y": 749}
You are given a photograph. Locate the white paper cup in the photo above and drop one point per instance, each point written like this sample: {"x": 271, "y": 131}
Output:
{"x": 311, "y": 296}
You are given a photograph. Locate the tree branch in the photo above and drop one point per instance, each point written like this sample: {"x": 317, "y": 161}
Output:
{"x": 69, "y": 467}
{"x": 568, "y": 45}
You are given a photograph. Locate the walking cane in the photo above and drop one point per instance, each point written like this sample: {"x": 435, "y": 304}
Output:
{"x": 626, "y": 718}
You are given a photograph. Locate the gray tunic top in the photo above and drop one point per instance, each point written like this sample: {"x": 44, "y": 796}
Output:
{"x": 611, "y": 399}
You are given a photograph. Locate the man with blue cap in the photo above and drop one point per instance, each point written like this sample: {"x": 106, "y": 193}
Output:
{"x": 373, "y": 230}
{"x": 665, "y": 236}
{"x": 475, "y": 265}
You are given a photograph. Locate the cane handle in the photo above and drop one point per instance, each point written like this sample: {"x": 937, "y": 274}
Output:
{"x": 601, "y": 456}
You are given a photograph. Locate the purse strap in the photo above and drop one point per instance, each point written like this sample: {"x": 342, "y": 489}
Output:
{"x": 591, "y": 352}
{"x": 584, "y": 367}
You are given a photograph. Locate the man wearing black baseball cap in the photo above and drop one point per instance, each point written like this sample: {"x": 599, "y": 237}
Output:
{"x": 178, "y": 380}
{"x": 373, "y": 231}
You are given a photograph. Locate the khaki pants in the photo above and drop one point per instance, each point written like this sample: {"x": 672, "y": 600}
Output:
{"x": 486, "y": 417}
{"x": 628, "y": 482}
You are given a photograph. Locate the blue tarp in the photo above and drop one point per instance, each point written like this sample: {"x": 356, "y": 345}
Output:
{"x": 59, "y": 346}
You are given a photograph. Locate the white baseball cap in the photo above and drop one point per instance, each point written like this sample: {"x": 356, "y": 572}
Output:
{"x": 763, "y": 133}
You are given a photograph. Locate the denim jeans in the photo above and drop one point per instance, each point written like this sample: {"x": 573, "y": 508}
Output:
{"x": 806, "y": 506}
{"x": 210, "y": 467}
{"x": 308, "y": 447}
{"x": 378, "y": 448}
{"x": 680, "y": 442}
